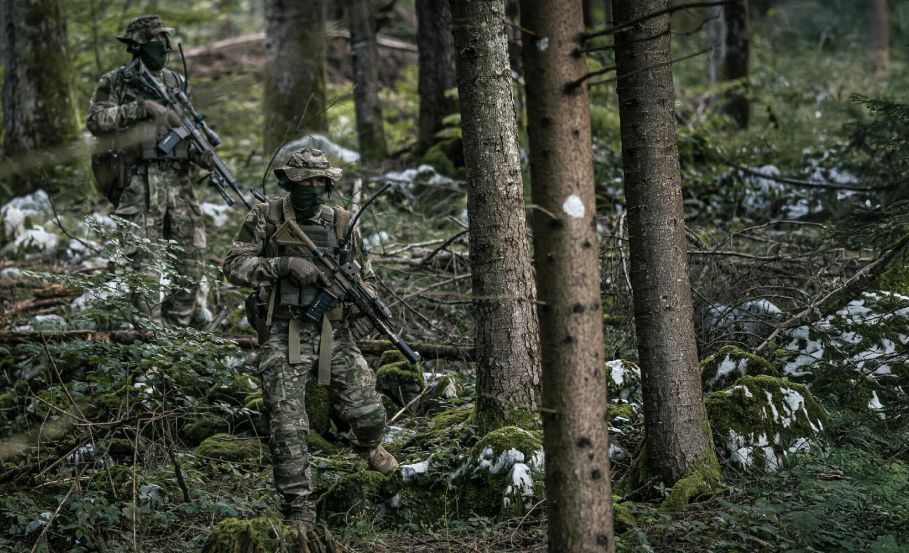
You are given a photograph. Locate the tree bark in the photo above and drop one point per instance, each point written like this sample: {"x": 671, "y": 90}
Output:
{"x": 436, "y": 68}
{"x": 294, "y": 70}
{"x": 879, "y": 46}
{"x": 39, "y": 111}
{"x": 507, "y": 342}
{"x": 364, "y": 59}
{"x": 675, "y": 420}
{"x": 734, "y": 65}
{"x": 575, "y": 422}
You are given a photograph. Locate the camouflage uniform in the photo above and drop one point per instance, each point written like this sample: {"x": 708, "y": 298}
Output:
{"x": 289, "y": 356}
{"x": 157, "y": 194}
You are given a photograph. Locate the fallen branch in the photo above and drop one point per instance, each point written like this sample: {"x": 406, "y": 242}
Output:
{"x": 669, "y": 10}
{"x": 126, "y": 337}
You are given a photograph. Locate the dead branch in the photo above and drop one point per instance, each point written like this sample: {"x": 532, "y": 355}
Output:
{"x": 658, "y": 13}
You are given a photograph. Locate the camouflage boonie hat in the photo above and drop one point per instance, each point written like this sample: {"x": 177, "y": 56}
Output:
{"x": 307, "y": 163}
{"x": 143, "y": 28}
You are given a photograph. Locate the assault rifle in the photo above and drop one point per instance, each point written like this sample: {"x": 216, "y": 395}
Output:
{"x": 192, "y": 126}
{"x": 345, "y": 283}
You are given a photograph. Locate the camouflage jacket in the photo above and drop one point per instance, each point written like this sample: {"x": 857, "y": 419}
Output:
{"x": 251, "y": 259}
{"x": 117, "y": 113}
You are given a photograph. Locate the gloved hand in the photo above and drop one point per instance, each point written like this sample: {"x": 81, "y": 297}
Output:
{"x": 302, "y": 270}
{"x": 361, "y": 326}
{"x": 161, "y": 113}
{"x": 205, "y": 160}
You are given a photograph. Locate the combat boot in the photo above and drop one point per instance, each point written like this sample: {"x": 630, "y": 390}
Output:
{"x": 382, "y": 461}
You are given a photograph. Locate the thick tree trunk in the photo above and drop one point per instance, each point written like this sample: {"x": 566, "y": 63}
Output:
{"x": 675, "y": 420}
{"x": 507, "y": 343}
{"x": 294, "y": 70}
{"x": 39, "y": 112}
{"x": 879, "y": 46}
{"x": 734, "y": 65}
{"x": 575, "y": 422}
{"x": 364, "y": 56}
{"x": 436, "y": 67}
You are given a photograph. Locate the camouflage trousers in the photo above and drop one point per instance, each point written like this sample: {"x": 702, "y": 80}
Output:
{"x": 159, "y": 200}
{"x": 284, "y": 392}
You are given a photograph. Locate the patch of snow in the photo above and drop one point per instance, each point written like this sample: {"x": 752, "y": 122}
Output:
{"x": 24, "y": 209}
{"x": 616, "y": 371}
{"x": 425, "y": 174}
{"x": 506, "y": 460}
{"x": 408, "y": 472}
{"x": 47, "y": 322}
{"x": 11, "y": 273}
{"x": 745, "y": 391}
{"x": 376, "y": 240}
{"x": 521, "y": 482}
{"x": 34, "y": 243}
{"x": 874, "y": 404}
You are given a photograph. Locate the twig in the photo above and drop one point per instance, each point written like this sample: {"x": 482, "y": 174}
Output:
{"x": 57, "y": 510}
{"x": 409, "y": 403}
{"x": 444, "y": 245}
{"x": 648, "y": 68}
{"x": 868, "y": 271}
{"x": 806, "y": 183}
{"x": 66, "y": 232}
{"x": 669, "y": 10}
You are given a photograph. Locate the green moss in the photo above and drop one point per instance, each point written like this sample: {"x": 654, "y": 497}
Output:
{"x": 481, "y": 490}
{"x": 120, "y": 477}
{"x": 257, "y": 535}
{"x": 487, "y": 421}
{"x": 196, "y": 431}
{"x": 458, "y": 415}
{"x": 623, "y": 518}
{"x": 316, "y": 443}
{"x": 357, "y": 491}
{"x": 390, "y": 356}
{"x": 637, "y": 480}
{"x": 426, "y": 505}
{"x": 738, "y": 363}
{"x": 762, "y": 414}
{"x": 620, "y": 410}
{"x": 704, "y": 478}
{"x": 895, "y": 278}
{"x": 230, "y": 448}
{"x": 8, "y": 400}
{"x": 400, "y": 380}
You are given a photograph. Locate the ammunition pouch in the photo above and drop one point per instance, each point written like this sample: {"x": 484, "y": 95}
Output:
{"x": 257, "y": 315}
{"x": 110, "y": 169}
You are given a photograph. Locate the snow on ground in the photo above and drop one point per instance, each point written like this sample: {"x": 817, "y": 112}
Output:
{"x": 333, "y": 152}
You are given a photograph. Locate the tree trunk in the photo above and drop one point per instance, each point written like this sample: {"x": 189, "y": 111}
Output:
{"x": 575, "y": 421}
{"x": 675, "y": 420}
{"x": 716, "y": 39}
{"x": 364, "y": 59}
{"x": 39, "y": 111}
{"x": 436, "y": 67}
{"x": 294, "y": 70}
{"x": 507, "y": 342}
{"x": 879, "y": 47}
{"x": 735, "y": 60}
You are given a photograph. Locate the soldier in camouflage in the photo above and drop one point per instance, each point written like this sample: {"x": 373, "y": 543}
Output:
{"x": 295, "y": 347}
{"x": 155, "y": 192}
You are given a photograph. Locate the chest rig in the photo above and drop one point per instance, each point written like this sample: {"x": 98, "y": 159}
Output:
{"x": 288, "y": 299}
{"x": 127, "y": 89}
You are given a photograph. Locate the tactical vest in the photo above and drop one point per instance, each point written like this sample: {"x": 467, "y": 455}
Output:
{"x": 126, "y": 91}
{"x": 326, "y": 230}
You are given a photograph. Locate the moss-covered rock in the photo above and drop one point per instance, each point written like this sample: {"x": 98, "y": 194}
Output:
{"x": 266, "y": 535}
{"x": 761, "y": 419}
{"x": 231, "y": 448}
{"x": 724, "y": 367}
{"x": 624, "y": 382}
{"x": 623, "y": 518}
{"x": 704, "y": 478}
{"x": 400, "y": 380}
{"x": 498, "y": 478}
{"x": 197, "y": 430}
{"x": 361, "y": 491}
{"x": 317, "y": 444}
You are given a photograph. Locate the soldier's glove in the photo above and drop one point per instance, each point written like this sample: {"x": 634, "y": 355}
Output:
{"x": 161, "y": 113}
{"x": 360, "y": 325}
{"x": 302, "y": 270}
{"x": 205, "y": 160}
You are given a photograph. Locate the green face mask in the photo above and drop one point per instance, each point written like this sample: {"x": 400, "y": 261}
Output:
{"x": 154, "y": 55}
{"x": 306, "y": 199}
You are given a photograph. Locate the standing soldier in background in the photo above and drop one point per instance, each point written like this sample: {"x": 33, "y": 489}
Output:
{"x": 265, "y": 255}
{"x": 148, "y": 188}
